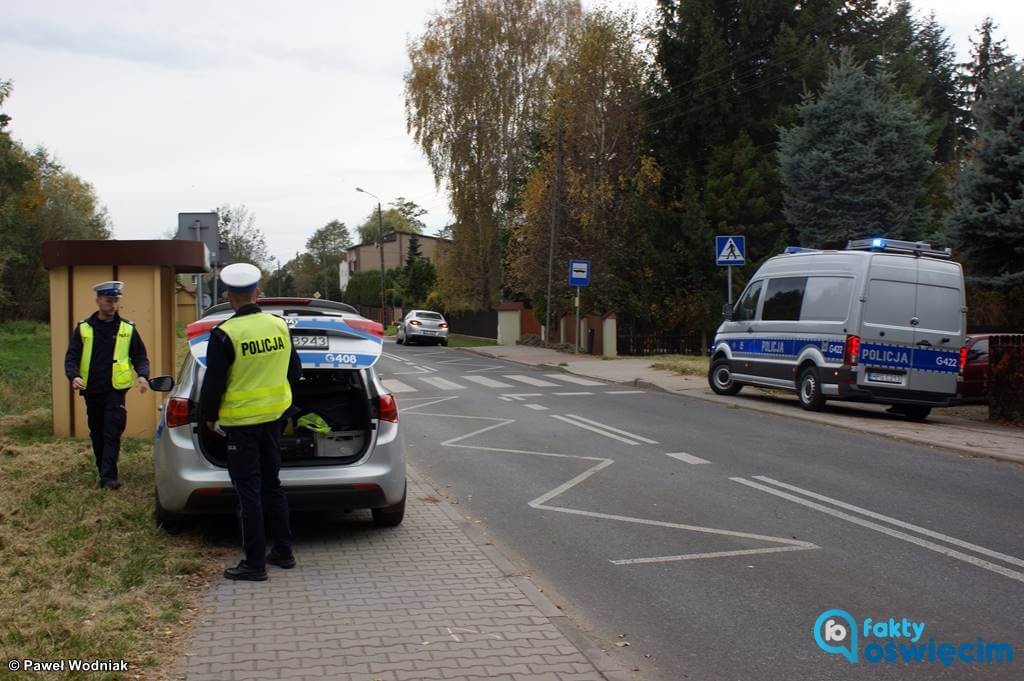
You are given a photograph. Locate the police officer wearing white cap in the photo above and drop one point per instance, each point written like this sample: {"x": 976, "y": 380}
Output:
{"x": 250, "y": 366}
{"x": 101, "y": 355}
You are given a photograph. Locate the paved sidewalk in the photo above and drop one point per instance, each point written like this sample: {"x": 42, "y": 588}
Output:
{"x": 421, "y": 601}
{"x": 958, "y": 434}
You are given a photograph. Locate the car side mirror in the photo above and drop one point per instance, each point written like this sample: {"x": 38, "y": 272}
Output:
{"x": 727, "y": 312}
{"x": 161, "y": 384}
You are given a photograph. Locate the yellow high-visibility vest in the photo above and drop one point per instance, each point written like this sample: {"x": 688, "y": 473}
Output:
{"x": 121, "y": 370}
{"x": 258, "y": 389}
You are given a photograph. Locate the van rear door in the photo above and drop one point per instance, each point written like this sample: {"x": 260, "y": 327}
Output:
{"x": 887, "y": 334}
{"x": 938, "y": 326}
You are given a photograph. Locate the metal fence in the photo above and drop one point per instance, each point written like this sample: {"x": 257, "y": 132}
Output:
{"x": 644, "y": 345}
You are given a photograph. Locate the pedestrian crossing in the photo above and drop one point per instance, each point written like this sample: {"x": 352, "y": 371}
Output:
{"x": 415, "y": 382}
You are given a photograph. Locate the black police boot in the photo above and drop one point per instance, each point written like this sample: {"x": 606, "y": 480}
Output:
{"x": 112, "y": 484}
{"x": 245, "y": 573}
{"x": 281, "y": 560}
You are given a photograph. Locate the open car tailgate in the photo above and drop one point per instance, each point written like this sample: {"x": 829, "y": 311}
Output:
{"x": 323, "y": 342}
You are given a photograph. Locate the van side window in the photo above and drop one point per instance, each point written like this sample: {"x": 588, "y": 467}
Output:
{"x": 827, "y": 299}
{"x": 784, "y": 298}
{"x": 746, "y": 307}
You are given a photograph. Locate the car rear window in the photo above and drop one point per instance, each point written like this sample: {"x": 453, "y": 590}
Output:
{"x": 428, "y": 315}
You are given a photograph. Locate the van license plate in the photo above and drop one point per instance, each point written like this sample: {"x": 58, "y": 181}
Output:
{"x": 895, "y": 379}
{"x": 309, "y": 341}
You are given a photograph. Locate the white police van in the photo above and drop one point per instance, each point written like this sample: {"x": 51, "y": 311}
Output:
{"x": 882, "y": 321}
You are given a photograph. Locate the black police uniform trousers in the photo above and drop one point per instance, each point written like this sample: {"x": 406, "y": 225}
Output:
{"x": 107, "y": 417}
{"x": 254, "y": 462}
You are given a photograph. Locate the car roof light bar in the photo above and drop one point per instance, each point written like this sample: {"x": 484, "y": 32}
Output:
{"x": 882, "y": 245}
{"x": 799, "y": 249}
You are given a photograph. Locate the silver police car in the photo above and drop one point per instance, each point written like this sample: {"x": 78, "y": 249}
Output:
{"x": 341, "y": 446}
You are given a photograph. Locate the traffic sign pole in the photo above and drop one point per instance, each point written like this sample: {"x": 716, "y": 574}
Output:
{"x": 577, "y": 320}
{"x": 729, "y": 292}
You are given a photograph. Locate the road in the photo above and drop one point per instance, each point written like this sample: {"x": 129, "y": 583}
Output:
{"x": 710, "y": 538}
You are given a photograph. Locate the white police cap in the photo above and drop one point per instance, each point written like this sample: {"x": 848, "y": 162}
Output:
{"x": 109, "y": 288}
{"x": 240, "y": 277}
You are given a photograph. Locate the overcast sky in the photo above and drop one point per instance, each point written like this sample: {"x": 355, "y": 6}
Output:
{"x": 169, "y": 107}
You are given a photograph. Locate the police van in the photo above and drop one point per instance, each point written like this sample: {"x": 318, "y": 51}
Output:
{"x": 881, "y": 321}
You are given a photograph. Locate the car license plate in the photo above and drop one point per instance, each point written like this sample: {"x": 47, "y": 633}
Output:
{"x": 428, "y": 332}
{"x": 304, "y": 341}
{"x": 879, "y": 377}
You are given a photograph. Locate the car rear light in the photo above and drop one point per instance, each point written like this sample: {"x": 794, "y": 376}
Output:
{"x": 442, "y": 325}
{"x": 177, "y": 412}
{"x": 199, "y": 328}
{"x": 388, "y": 408}
{"x": 416, "y": 322}
{"x": 367, "y": 325}
{"x": 963, "y": 359}
{"x": 852, "y": 351}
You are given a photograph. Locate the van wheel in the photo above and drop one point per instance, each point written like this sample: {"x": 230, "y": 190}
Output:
{"x": 720, "y": 378}
{"x": 809, "y": 390}
{"x": 168, "y": 521}
{"x": 914, "y": 412}
{"x": 390, "y": 516}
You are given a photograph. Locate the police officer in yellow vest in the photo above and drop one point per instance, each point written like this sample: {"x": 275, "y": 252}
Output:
{"x": 101, "y": 355}
{"x": 250, "y": 366}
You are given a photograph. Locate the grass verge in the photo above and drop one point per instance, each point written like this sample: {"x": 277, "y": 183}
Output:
{"x": 86, "y": 574}
{"x": 467, "y": 342}
{"x": 687, "y": 365}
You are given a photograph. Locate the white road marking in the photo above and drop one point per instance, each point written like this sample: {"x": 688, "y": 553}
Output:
{"x": 624, "y": 392}
{"x": 686, "y": 458}
{"x": 540, "y": 502}
{"x": 898, "y": 523}
{"x": 530, "y": 380}
{"x": 931, "y": 546}
{"x": 536, "y": 407}
{"x": 394, "y": 357}
{"x": 442, "y": 383}
{"x": 572, "y": 394}
{"x": 505, "y": 399}
{"x": 614, "y": 430}
{"x": 613, "y": 436}
{"x": 522, "y": 396}
{"x": 569, "y": 378}
{"x": 396, "y": 386}
{"x": 701, "y": 556}
{"x": 487, "y": 382}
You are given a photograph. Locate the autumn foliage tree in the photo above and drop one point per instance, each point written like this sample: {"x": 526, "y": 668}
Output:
{"x": 581, "y": 199}
{"x": 474, "y": 96}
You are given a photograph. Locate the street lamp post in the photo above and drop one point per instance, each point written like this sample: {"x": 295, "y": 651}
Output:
{"x": 380, "y": 243}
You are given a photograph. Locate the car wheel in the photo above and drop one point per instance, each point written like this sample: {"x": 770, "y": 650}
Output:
{"x": 398, "y": 338}
{"x": 444, "y": 342}
{"x": 168, "y": 521}
{"x": 914, "y": 412}
{"x": 720, "y": 378}
{"x": 390, "y": 516}
{"x": 809, "y": 390}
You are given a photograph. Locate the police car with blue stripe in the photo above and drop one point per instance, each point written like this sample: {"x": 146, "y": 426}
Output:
{"x": 341, "y": 448}
{"x": 881, "y": 321}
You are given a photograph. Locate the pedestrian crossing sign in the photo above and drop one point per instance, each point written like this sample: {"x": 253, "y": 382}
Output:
{"x": 730, "y": 250}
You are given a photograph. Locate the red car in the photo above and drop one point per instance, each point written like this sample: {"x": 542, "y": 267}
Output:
{"x": 974, "y": 387}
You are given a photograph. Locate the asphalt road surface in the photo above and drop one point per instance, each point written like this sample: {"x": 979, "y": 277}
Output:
{"x": 711, "y": 538}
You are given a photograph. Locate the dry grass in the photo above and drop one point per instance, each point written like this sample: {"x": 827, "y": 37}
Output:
{"x": 688, "y": 365}
{"x": 85, "y": 573}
